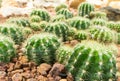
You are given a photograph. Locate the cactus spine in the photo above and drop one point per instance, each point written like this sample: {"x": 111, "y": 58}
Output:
{"x": 99, "y": 22}
{"x": 35, "y": 18}
{"x": 35, "y": 26}
{"x": 58, "y": 18}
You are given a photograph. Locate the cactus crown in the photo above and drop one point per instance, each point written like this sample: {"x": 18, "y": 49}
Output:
{"x": 61, "y": 6}
{"x": 35, "y": 18}
{"x": 100, "y": 22}
{"x": 58, "y": 18}
{"x": 35, "y": 26}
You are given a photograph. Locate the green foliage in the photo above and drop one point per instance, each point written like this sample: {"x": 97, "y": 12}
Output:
{"x": 27, "y": 31}
{"x": 100, "y": 22}
{"x": 42, "y": 47}
{"x": 58, "y": 18}
{"x": 35, "y": 18}
{"x": 61, "y": 6}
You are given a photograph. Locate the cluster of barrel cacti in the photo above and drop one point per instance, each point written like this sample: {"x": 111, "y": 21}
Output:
{"x": 93, "y": 59}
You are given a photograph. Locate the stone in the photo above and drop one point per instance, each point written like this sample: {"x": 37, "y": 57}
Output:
{"x": 63, "y": 80}
{"x": 17, "y": 77}
{"x": 2, "y": 74}
{"x": 42, "y": 78}
{"x": 10, "y": 67}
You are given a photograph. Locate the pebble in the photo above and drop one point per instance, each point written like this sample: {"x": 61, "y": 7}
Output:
{"x": 17, "y": 77}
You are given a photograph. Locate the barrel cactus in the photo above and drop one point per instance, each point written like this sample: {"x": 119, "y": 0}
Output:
{"x": 59, "y": 28}
{"x": 27, "y": 31}
{"x": 118, "y": 38}
{"x": 58, "y": 18}
{"x": 92, "y": 61}
{"x": 7, "y": 49}
{"x": 85, "y": 8}
{"x": 35, "y": 18}
{"x": 79, "y": 23}
{"x": 43, "y": 24}
{"x": 42, "y": 47}
{"x": 61, "y": 6}
{"x": 43, "y": 14}
{"x": 100, "y": 22}
{"x": 12, "y": 31}
{"x": 35, "y": 26}
{"x": 65, "y": 12}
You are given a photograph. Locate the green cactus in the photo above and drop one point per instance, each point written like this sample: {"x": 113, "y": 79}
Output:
{"x": 79, "y": 23}
{"x": 65, "y": 12}
{"x": 118, "y": 38}
{"x": 63, "y": 54}
{"x": 7, "y": 49}
{"x": 12, "y": 31}
{"x": 85, "y": 8}
{"x": 100, "y": 22}
{"x": 42, "y": 47}
{"x": 43, "y": 24}
{"x": 92, "y": 61}
{"x": 35, "y": 18}
{"x": 43, "y": 14}
{"x": 20, "y": 21}
{"x": 61, "y": 6}
{"x": 58, "y": 18}
{"x": 59, "y": 28}
{"x": 35, "y": 26}
{"x": 27, "y": 31}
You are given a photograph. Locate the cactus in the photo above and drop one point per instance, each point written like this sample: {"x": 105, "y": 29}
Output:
{"x": 12, "y": 31}
{"x": 35, "y": 26}
{"x": 7, "y": 50}
{"x": 61, "y": 6}
{"x": 118, "y": 38}
{"x": 43, "y": 24}
{"x": 103, "y": 34}
{"x": 27, "y": 31}
{"x": 65, "y": 12}
{"x": 85, "y": 8}
{"x": 79, "y": 23}
{"x": 58, "y": 18}
{"x": 35, "y": 18}
{"x": 42, "y": 47}
{"x": 92, "y": 61}
{"x": 59, "y": 28}
{"x": 100, "y": 22}
{"x": 21, "y": 21}
{"x": 43, "y": 14}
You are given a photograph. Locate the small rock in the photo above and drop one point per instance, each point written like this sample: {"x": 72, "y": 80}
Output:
{"x": 42, "y": 78}
{"x": 18, "y": 65}
{"x": 26, "y": 75}
{"x": 23, "y": 59}
{"x": 63, "y": 80}
{"x": 3, "y": 79}
{"x": 73, "y": 42}
{"x": 17, "y": 77}
{"x": 51, "y": 79}
{"x": 2, "y": 74}
{"x": 57, "y": 78}
{"x": 17, "y": 71}
{"x": 26, "y": 68}
{"x": 32, "y": 79}
{"x": 70, "y": 78}
{"x": 10, "y": 67}
{"x": 33, "y": 70}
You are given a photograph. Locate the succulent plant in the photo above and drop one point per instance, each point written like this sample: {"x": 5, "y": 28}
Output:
{"x": 92, "y": 61}
{"x": 100, "y": 22}
{"x": 35, "y": 18}
{"x": 27, "y": 31}
{"x": 21, "y": 21}
{"x": 65, "y": 12}
{"x": 61, "y": 6}
{"x": 43, "y": 14}
{"x": 12, "y": 31}
{"x": 35, "y": 26}
{"x": 79, "y": 23}
{"x": 42, "y": 47}
{"x": 118, "y": 38}
{"x": 7, "y": 49}
{"x": 58, "y": 18}
{"x": 85, "y": 8}
{"x": 59, "y": 28}
{"x": 43, "y": 24}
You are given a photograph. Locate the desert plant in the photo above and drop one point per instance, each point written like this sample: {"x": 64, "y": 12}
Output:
{"x": 43, "y": 14}
{"x": 58, "y": 18}
{"x": 85, "y": 8}
{"x": 92, "y": 61}
{"x": 7, "y": 49}
{"x": 100, "y": 22}
{"x": 35, "y": 26}
{"x": 42, "y": 47}
{"x": 27, "y": 31}
{"x": 61, "y": 6}
{"x": 65, "y": 12}
{"x": 43, "y": 24}
{"x": 35, "y": 18}
{"x": 118, "y": 38}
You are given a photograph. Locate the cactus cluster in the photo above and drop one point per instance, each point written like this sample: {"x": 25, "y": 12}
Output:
{"x": 98, "y": 21}
{"x": 85, "y": 8}
{"x": 58, "y": 18}
{"x": 61, "y": 6}
{"x": 42, "y": 47}
{"x": 7, "y": 49}
{"x": 92, "y": 61}
{"x": 59, "y": 28}
{"x": 35, "y": 26}
{"x": 35, "y": 18}
{"x": 65, "y": 12}
{"x": 43, "y": 14}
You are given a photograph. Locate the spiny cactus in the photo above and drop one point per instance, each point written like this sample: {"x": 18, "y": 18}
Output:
{"x": 7, "y": 49}
{"x": 59, "y": 28}
{"x": 91, "y": 61}
{"x": 63, "y": 54}
{"x": 58, "y": 18}
{"x": 12, "y": 31}
{"x": 43, "y": 14}
{"x": 43, "y": 24}
{"x": 85, "y": 8}
{"x": 79, "y": 23}
{"x": 103, "y": 34}
{"x": 35, "y": 18}
{"x": 118, "y": 38}
{"x": 21, "y": 21}
{"x": 27, "y": 31}
{"x": 100, "y": 22}
{"x": 65, "y": 12}
{"x": 42, "y": 47}
{"x": 35, "y": 26}
{"x": 61, "y": 6}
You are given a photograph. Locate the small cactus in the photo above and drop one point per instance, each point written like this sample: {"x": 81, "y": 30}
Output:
{"x": 42, "y": 47}
{"x": 65, "y": 12}
{"x": 59, "y": 28}
{"x": 35, "y": 26}
{"x": 79, "y": 23}
{"x": 92, "y": 61}
{"x": 7, "y": 49}
{"x": 35, "y": 18}
{"x": 43, "y": 14}
{"x": 118, "y": 38}
{"x": 85, "y": 8}
{"x": 43, "y": 24}
{"x": 61, "y": 6}
{"x": 58, "y": 18}
{"x": 27, "y": 31}
{"x": 100, "y": 22}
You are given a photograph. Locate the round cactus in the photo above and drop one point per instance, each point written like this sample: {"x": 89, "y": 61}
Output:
{"x": 92, "y": 61}
{"x": 43, "y": 24}
{"x": 43, "y": 14}
{"x": 79, "y": 23}
{"x": 65, "y": 12}
{"x": 12, "y": 31}
{"x": 27, "y": 31}
{"x": 58, "y": 18}
{"x": 100, "y": 22}
{"x": 19, "y": 21}
{"x": 7, "y": 50}
{"x": 42, "y": 47}
{"x": 59, "y": 28}
{"x": 35, "y": 26}
{"x": 35, "y": 18}
{"x": 85, "y": 8}
{"x": 61, "y": 6}
{"x": 118, "y": 38}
